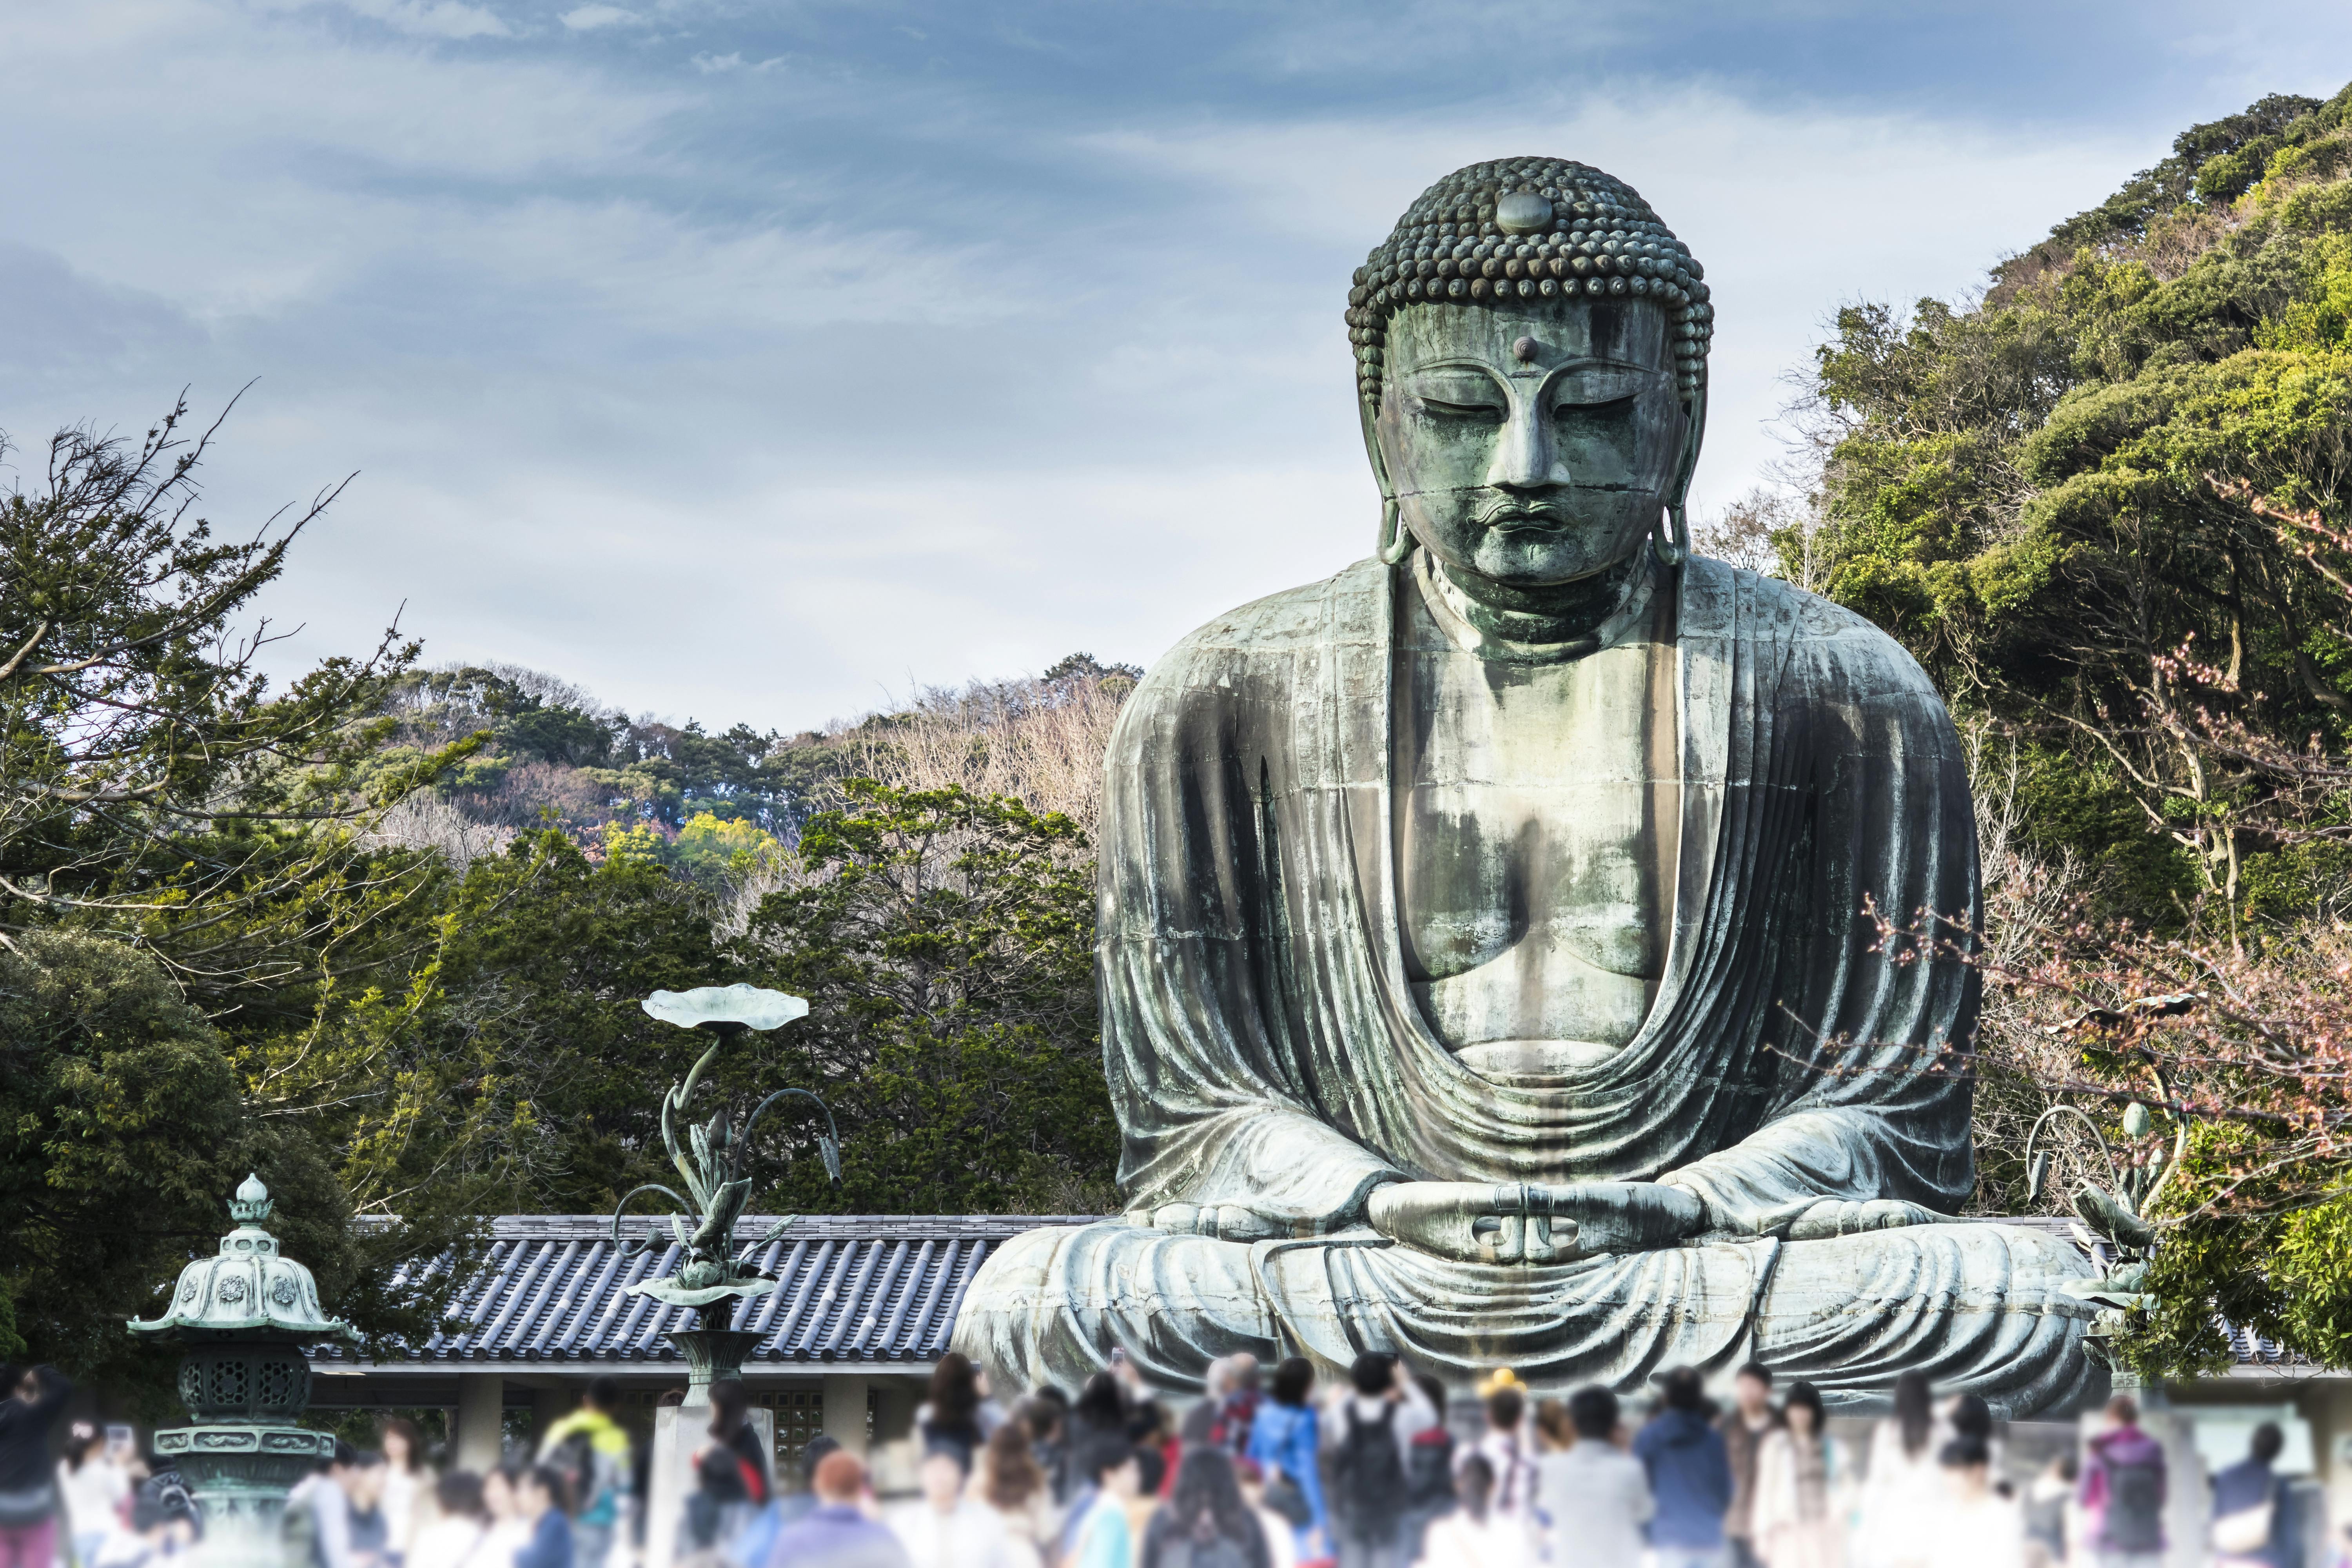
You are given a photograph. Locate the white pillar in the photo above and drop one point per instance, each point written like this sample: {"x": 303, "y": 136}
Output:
{"x": 481, "y": 1421}
{"x": 845, "y": 1410}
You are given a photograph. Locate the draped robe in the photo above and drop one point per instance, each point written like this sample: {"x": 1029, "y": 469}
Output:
{"x": 1266, "y": 1054}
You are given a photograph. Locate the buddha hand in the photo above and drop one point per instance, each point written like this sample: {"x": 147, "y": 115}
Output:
{"x": 1484, "y": 1222}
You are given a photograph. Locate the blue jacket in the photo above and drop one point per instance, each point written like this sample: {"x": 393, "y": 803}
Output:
{"x": 1690, "y": 1477}
{"x": 1287, "y": 1435}
{"x": 836, "y": 1535}
{"x": 550, "y": 1546}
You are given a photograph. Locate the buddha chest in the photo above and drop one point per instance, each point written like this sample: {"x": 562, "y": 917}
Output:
{"x": 1536, "y": 815}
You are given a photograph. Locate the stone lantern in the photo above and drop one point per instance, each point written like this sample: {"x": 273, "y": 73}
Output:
{"x": 244, "y": 1316}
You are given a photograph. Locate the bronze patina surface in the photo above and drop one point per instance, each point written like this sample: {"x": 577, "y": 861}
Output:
{"x": 1485, "y": 951}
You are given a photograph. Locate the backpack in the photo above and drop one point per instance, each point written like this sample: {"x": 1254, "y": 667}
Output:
{"x": 1371, "y": 1471}
{"x": 2135, "y": 1515}
{"x": 575, "y": 1460}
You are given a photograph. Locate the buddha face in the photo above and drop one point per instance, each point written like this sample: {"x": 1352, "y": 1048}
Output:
{"x": 1530, "y": 446}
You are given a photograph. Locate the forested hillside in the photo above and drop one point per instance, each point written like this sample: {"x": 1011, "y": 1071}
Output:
{"x": 2104, "y": 504}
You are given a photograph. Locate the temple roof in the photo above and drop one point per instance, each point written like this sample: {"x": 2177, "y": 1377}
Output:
{"x": 850, "y": 1288}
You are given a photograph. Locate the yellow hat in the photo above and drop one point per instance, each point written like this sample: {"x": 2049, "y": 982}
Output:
{"x": 1495, "y": 1381}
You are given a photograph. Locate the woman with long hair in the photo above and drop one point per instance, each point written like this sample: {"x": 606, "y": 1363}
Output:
{"x": 1477, "y": 1534}
{"x": 1905, "y": 1484}
{"x": 407, "y": 1485}
{"x": 97, "y": 1491}
{"x": 1286, "y": 1440}
{"x": 1803, "y": 1488}
{"x": 1011, "y": 1482}
{"x": 1206, "y": 1521}
{"x": 950, "y": 1415}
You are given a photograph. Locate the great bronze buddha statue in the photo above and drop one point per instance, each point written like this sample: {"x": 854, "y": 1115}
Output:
{"x": 1487, "y": 955}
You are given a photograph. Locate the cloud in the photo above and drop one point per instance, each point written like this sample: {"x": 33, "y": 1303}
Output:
{"x": 587, "y": 18}
{"x": 433, "y": 18}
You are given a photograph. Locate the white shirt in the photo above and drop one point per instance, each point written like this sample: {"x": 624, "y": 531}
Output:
{"x": 1456, "y": 1542}
{"x": 94, "y": 1493}
{"x": 1594, "y": 1498}
{"x": 971, "y": 1536}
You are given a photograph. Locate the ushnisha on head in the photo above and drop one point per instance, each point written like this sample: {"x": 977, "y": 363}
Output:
{"x": 1530, "y": 350}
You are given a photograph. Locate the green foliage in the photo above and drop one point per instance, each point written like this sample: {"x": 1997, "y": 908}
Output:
{"x": 122, "y": 1132}
{"x": 945, "y": 944}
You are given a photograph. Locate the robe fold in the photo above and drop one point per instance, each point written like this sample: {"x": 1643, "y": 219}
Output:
{"x": 1265, "y": 1053}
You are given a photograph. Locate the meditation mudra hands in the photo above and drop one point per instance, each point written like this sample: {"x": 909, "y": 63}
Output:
{"x": 1533, "y": 1223}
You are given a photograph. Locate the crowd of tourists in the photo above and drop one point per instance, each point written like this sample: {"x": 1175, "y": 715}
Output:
{"x": 1267, "y": 1469}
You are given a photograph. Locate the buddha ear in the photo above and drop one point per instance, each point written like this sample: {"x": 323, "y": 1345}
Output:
{"x": 1395, "y": 542}
{"x": 1676, "y": 545}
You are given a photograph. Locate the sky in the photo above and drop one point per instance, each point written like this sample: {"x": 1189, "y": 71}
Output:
{"x": 763, "y": 363}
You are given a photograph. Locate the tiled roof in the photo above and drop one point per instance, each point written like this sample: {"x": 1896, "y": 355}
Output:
{"x": 861, "y": 1288}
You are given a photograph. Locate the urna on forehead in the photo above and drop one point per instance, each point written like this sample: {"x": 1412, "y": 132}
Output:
{"x": 1529, "y": 230}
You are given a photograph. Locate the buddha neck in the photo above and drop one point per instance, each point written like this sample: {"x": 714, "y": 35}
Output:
{"x": 1547, "y": 625}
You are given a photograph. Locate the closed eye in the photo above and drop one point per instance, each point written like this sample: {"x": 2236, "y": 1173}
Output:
{"x": 1566, "y": 409}
{"x": 1489, "y": 412}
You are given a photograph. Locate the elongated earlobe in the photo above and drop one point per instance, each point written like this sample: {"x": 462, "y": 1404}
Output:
{"x": 1673, "y": 545}
{"x": 1395, "y": 541}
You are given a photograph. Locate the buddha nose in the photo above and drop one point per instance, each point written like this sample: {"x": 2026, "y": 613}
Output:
{"x": 1526, "y": 458}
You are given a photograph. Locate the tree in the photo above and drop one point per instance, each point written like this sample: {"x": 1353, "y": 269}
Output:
{"x": 152, "y": 786}
{"x": 122, "y": 1132}
{"x": 945, "y": 943}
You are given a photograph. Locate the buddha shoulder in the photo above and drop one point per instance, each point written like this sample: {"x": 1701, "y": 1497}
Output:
{"x": 1840, "y": 645}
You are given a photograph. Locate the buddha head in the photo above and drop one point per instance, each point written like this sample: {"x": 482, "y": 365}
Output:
{"x": 1531, "y": 357}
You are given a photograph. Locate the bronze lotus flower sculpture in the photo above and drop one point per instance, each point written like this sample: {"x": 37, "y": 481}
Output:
{"x": 709, "y": 1270}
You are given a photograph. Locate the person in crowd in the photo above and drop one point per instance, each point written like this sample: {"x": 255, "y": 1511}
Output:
{"x": 1905, "y": 1483}
{"x": 1682, "y": 1455}
{"x": 1009, "y": 1481}
{"x": 1202, "y": 1422}
{"x": 1241, "y": 1405}
{"x": 947, "y": 1526}
{"x": 1153, "y": 1475}
{"x": 838, "y": 1533}
{"x": 509, "y": 1530}
{"x": 161, "y": 1524}
{"x": 1099, "y": 1534}
{"x": 94, "y": 1488}
{"x": 29, "y": 1492}
{"x": 1967, "y": 1417}
{"x": 2124, "y": 1490}
{"x": 317, "y": 1522}
{"x": 716, "y": 1511}
{"x": 2049, "y": 1511}
{"x": 800, "y": 1501}
{"x": 370, "y": 1531}
{"x": 1206, "y": 1521}
{"x": 1745, "y": 1426}
{"x": 1281, "y": 1545}
{"x": 1509, "y": 1449}
{"x": 1593, "y": 1496}
{"x": 950, "y": 1415}
{"x": 2252, "y": 1527}
{"x": 1145, "y": 1414}
{"x": 1046, "y": 1415}
{"x": 407, "y": 1485}
{"x": 1428, "y": 1469}
{"x": 538, "y": 1504}
{"x": 1802, "y": 1494}
{"x": 1974, "y": 1527}
{"x": 459, "y": 1533}
{"x": 1287, "y": 1442}
{"x": 591, "y": 1448}
{"x": 1097, "y": 1419}
{"x": 1475, "y": 1535}
{"x": 732, "y": 1428}
{"x": 1370, "y": 1436}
